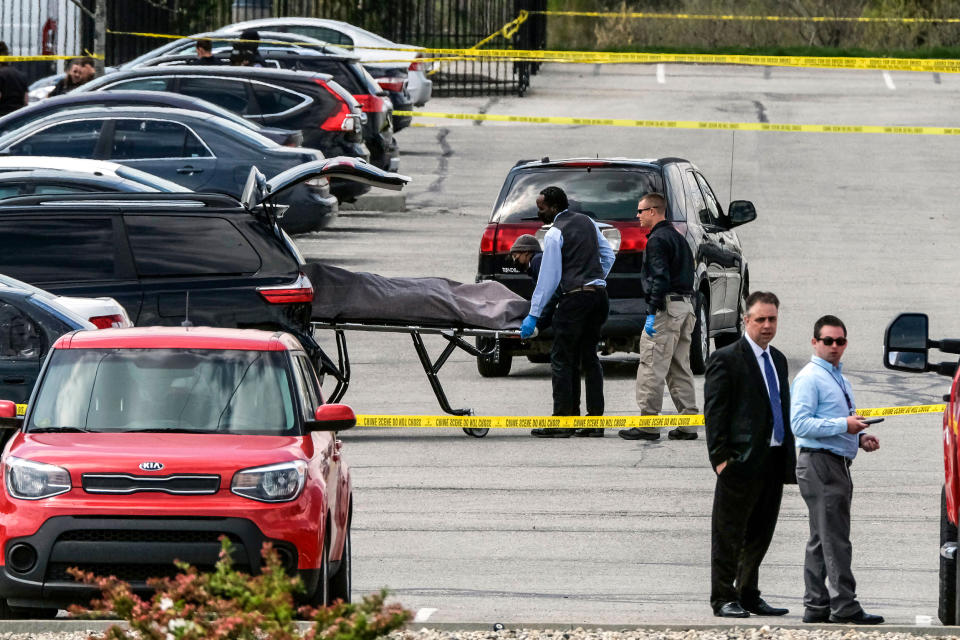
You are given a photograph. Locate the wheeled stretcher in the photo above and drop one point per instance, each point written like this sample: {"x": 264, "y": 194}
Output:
{"x": 350, "y": 301}
{"x": 431, "y": 366}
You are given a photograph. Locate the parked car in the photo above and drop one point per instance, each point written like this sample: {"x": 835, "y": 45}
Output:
{"x": 172, "y": 257}
{"x": 330, "y": 118}
{"x": 198, "y": 151}
{"x": 75, "y": 100}
{"x": 906, "y": 347}
{"x": 144, "y": 446}
{"x": 44, "y": 181}
{"x": 110, "y": 174}
{"x": 392, "y": 81}
{"x": 608, "y": 191}
{"x": 369, "y": 47}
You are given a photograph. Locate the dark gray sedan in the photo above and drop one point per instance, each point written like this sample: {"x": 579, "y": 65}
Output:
{"x": 199, "y": 151}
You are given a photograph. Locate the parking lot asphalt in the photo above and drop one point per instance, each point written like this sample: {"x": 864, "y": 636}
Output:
{"x": 514, "y": 529}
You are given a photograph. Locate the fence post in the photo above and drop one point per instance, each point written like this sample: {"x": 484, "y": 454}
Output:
{"x": 99, "y": 34}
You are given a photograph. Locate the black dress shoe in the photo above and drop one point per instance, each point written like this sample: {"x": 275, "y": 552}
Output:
{"x": 816, "y": 616}
{"x": 677, "y": 434}
{"x": 761, "y": 608}
{"x": 861, "y": 617}
{"x": 639, "y": 434}
{"x": 551, "y": 433}
{"x": 588, "y": 433}
{"x": 731, "y": 610}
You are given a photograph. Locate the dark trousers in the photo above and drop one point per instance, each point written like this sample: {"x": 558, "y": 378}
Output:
{"x": 576, "y": 332}
{"x": 745, "y": 511}
{"x": 827, "y": 488}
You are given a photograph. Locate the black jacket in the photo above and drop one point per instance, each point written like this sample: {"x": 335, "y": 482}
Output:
{"x": 737, "y": 410}
{"x": 667, "y": 265}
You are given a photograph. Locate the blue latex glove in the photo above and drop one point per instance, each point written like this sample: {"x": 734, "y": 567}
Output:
{"x": 528, "y": 327}
{"x": 648, "y": 325}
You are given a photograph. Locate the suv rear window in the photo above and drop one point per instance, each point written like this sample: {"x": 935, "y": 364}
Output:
{"x": 75, "y": 250}
{"x": 181, "y": 245}
{"x": 602, "y": 193}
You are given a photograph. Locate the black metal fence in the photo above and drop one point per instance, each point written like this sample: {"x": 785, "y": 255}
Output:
{"x": 458, "y": 24}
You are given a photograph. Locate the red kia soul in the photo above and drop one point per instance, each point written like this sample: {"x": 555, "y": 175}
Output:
{"x": 142, "y": 446}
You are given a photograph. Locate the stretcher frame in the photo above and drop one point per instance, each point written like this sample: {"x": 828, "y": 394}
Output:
{"x": 431, "y": 367}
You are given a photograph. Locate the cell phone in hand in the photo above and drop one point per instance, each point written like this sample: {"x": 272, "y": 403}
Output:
{"x": 872, "y": 420}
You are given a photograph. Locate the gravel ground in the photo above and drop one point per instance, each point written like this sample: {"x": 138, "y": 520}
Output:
{"x": 730, "y": 633}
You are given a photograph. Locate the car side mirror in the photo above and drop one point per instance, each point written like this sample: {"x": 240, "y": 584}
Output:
{"x": 741, "y": 212}
{"x": 8, "y": 415}
{"x": 906, "y": 343}
{"x": 333, "y": 417}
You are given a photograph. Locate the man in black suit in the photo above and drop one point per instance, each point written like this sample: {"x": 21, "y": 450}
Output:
{"x": 747, "y": 413}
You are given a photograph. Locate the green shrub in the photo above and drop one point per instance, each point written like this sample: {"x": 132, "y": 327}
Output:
{"x": 227, "y": 604}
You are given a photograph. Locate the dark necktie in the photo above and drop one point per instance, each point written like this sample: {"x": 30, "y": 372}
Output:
{"x": 771, "y": 376}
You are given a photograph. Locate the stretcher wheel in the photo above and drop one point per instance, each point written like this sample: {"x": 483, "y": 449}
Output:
{"x": 476, "y": 433}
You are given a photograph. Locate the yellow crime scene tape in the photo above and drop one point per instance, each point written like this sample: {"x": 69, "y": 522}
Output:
{"x": 585, "y": 422}
{"x": 744, "y": 18}
{"x": 693, "y": 124}
{"x": 931, "y": 65}
{"x": 50, "y": 58}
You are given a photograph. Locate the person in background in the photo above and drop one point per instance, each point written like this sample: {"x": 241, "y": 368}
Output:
{"x": 746, "y": 409}
{"x": 828, "y": 430}
{"x": 13, "y": 85}
{"x": 576, "y": 259}
{"x": 205, "y": 53}
{"x": 667, "y": 277}
{"x": 246, "y": 53}
{"x": 79, "y": 71}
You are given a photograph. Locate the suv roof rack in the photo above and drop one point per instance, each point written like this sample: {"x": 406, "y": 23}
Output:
{"x": 160, "y": 199}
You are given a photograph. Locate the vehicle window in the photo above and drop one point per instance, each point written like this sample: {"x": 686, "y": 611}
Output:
{"x": 709, "y": 198}
{"x": 313, "y": 385}
{"x": 54, "y": 189}
{"x": 305, "y": 388}
{"x": 138, "y": 139}
{"x": 321, "y": 33}
{"x": 9, "y": 191}
{"x": 74, "y": 250}
{"x": 201, "y": 390}
{"x": 602, "y": 193}
{"x": 140, "y": 84}
{"x": 338, "y": 69}
{"x": 695, "y": 202}
{"x": 273, "y": 100}
{"x": 76, "y": 139}
{"x": 182, "y": 245}
{"x": 19, "y": 336}
{"x": 231, "y": 94}
{"x": 675, "y": 198}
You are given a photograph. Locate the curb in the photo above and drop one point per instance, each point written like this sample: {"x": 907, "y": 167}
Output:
{"x": 377, "y": 202}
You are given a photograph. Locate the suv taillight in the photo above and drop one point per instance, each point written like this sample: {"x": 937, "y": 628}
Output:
{"x": 300, "y": 290}
{"x": 344, "y": 119}
{"x": 633, "y": 237}
{"x": 371, "y": 103}
{"x": 488, "y": 238}
{"x": 107, "y": 322}
{"x": 508, "y": 233}
{"x": 391, "y": 84}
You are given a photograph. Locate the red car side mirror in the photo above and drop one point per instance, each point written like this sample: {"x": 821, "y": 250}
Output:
{"x": 333, "y": 417}
{"x": 8, "y": 414}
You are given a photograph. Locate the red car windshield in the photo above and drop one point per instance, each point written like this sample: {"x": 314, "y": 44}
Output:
{"x": 173, "y": 390}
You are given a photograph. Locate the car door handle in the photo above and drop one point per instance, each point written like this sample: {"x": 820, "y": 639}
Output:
{"x": 14, "y": 380}
{"x": 189, "y": 169}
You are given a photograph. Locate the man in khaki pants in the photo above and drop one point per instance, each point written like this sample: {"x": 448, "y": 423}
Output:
{"x": 667, "y": 277}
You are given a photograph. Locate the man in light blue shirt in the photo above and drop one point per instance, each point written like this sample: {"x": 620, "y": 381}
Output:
{"x": 829, "y": 432}
{"x": 576, "y": 259}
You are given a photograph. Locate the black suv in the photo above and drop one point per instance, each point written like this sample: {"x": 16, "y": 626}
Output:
{"x": 608, "y": 190}
{"x": 171, "y": 257}
{"x": 330, "y": 118}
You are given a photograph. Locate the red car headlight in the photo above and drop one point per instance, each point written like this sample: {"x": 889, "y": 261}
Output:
{"x": 29, "y": 480}
{"x": 281, "y": 482}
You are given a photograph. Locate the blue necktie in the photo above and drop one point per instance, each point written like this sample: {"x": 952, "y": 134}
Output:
{"x": 771, "y": 376}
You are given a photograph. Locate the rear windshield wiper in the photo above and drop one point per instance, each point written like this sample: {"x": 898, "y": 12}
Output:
{"x": 56, "y": 429}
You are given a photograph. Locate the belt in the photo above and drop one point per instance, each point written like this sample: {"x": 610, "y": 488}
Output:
{"x": 826, "y": 452}
{"x": 678, "y": 297}
{"x": 586, "y": 287}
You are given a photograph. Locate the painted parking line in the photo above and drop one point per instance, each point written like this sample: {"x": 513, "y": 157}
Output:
{"x": 661, "y": 73}
{"x": 888, "y": 80}
{"x": 424, "y": 614}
